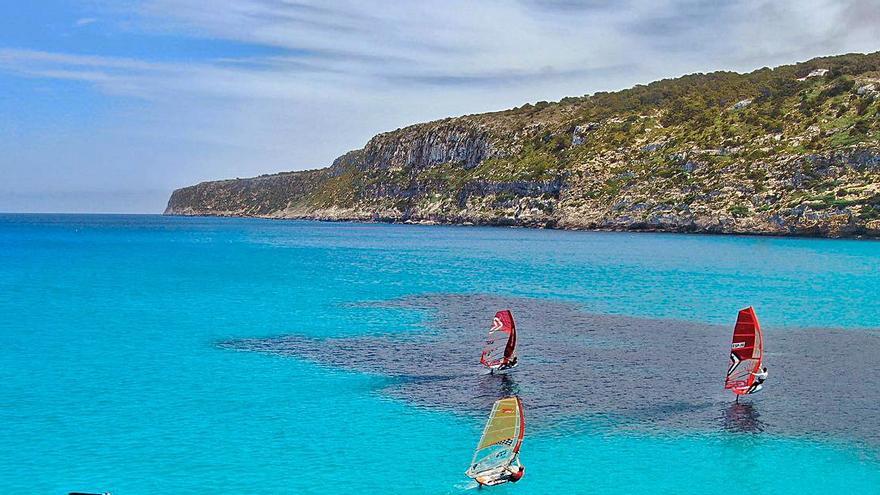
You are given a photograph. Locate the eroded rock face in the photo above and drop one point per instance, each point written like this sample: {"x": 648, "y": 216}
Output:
{"x": 423, "y": 146}
{"x": 561, "y": 202}
{"x": 579, "y": 135}
{"x": 868, "y": 89}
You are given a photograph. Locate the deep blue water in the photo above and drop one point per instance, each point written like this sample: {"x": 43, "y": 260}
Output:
{"x": 113, "y": 376}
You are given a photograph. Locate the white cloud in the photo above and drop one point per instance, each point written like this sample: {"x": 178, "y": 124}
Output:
{"x": 349, "y": 49}
{"x": 330, "y": 75}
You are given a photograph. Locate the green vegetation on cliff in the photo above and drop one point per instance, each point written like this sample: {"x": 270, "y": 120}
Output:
{"x": 790, "y": 150}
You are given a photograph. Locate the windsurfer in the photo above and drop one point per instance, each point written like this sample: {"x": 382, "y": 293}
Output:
{"x": 500, "y": 351}
{"x": 508, "y": 365}
{"x": 760, "y": 376}
{"x": 512, "y": 473}
{"x": 516, "y": 470}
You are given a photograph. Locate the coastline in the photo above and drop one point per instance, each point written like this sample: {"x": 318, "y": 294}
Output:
{"x": 865, "y": 235}
{"x": 789, "y": 152}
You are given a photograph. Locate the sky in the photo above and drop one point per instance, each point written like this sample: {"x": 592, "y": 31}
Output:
{"x": 108, "y": 106}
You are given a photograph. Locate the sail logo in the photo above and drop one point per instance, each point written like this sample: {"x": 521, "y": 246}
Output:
{"x": 738, "y": 345}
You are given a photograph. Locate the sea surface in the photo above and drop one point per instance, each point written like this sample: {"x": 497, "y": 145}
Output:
{"x": 149, "y": 354}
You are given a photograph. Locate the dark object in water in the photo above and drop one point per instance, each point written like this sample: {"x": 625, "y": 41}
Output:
{"x": 84, "y": 493}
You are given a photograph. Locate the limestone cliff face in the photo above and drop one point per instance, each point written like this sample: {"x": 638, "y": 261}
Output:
{"x": 423, "y": 146}
{"x": 772, "y": 152}
{"x": 816, "y": 194}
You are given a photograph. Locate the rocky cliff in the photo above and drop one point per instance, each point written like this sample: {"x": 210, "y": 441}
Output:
{"x": 793, "y": 150}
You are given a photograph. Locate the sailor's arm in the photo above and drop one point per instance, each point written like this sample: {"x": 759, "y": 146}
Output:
{"x": 514, "y": 465}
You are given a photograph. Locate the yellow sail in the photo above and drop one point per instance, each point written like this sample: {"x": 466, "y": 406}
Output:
{"x": 501, "y": 438}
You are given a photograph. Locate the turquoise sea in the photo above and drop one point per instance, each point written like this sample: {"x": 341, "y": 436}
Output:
{"x": 113, "y": 376}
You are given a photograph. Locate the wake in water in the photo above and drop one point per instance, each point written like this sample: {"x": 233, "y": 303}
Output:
{"x": 614, "y": 371}
{"x": 471, "y": 485}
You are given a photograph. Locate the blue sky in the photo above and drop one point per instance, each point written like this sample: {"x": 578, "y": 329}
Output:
{"x": 107, "y": 106}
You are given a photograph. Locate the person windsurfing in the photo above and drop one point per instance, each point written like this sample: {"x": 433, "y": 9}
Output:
{"x": 746, "y": 372}
{"x": 500, "y": 354}
{"x": 496, "y": 458}
{"x": 758, "y": 384}
{"x": 509, "y": 364}
{"x": 512, "y": 473}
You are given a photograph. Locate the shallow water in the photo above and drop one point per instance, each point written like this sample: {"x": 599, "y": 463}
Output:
{"x": 120, "y": 369}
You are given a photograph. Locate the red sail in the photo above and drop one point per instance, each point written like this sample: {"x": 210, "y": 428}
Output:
{"x": 746, "y": 352}
{"x": 522, "y": 426}
{"x": 500, "y": 347}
